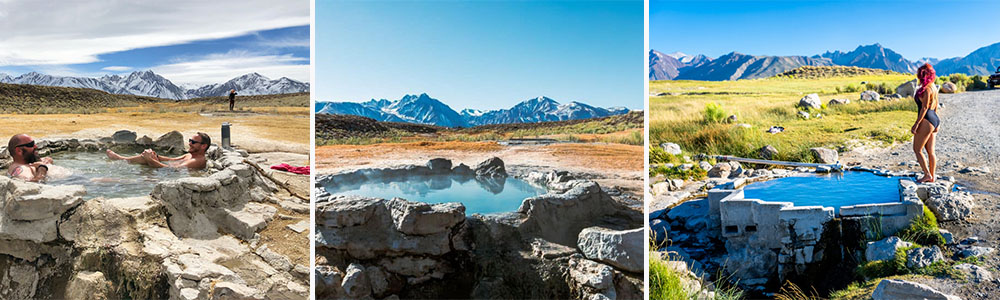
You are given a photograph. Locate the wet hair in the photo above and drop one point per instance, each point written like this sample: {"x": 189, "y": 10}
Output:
{"x": 207, "y": 141}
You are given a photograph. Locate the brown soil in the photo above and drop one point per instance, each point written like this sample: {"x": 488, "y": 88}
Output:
{"x": 618, "y": 165}
{"x": 253, "y": 132}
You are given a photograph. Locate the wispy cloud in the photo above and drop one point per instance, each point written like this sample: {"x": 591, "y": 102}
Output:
{"x": 76, "y": 32}
{"x": 117, "y": 68}
{"x": 208, "y": 69}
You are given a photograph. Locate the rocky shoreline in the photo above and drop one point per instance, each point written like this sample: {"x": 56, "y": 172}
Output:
{"x": 577, "y": 241}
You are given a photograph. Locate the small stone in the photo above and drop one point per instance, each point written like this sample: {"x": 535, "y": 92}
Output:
{"x": 672, "y": 148}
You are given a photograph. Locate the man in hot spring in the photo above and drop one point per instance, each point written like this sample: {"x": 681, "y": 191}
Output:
{"x": 27, "y": 165}
{"x": 193, "y": 160}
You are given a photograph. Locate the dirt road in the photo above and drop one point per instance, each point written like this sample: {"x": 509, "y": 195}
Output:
{"x": 969, "y": 136}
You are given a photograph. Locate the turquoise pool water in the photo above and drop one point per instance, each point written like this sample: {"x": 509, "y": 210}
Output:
{"x": 110, "y": 179}
{"x": 478, "y": 196}
{"x": 832, "y": 190}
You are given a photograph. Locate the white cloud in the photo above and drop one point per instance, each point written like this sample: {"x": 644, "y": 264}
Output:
{"x": 116, "y": 68}
{"x": 75, "y": 32}
{"x": 221, "y": 67}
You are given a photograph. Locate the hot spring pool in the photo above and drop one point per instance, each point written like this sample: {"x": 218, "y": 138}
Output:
{"x": 111, "y": 179}
{"x": 478, "y": 196}
{"x": 830, "y": 190}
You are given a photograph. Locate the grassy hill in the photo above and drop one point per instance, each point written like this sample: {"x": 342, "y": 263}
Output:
{"x": 349, "y": 129}
{"x": 678, "y": 115}
{"x": 814, "y": 72}
{"x": 37, "y": 99}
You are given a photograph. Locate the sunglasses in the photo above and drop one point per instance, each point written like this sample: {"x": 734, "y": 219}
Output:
{"x": 30, "y": 144}
{"x": 194, "y": 141}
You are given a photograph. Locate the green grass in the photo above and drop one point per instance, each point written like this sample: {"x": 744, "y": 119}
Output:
{"x": 923, "y": 230}
{"x": 686, "y": 115}
{"x": 664, "y": 282}
{"x": 863, "y": 290}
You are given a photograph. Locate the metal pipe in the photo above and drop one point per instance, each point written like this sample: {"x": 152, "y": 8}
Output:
{"x": 836, "y": 166}
{"x": 225, "y": 136}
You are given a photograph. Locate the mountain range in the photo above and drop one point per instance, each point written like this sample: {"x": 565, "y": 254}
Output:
{"x": 147, "y": 83}
{"x": 426, "y": 110}
{"x": 734, "y": 66}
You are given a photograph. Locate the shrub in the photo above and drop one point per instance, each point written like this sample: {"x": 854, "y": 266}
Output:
{"x": 714, "y": 113}
{"x": 976, "y": 83}
{"x": 658, "y": 156}
{"x": 664, "y": 282}
{"x": 923, "y": 230}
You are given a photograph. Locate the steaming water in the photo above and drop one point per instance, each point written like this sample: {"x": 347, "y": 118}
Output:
{"x": 835, "y": 189}
{"x": 478, "y": 196}
{"x": 111, "y": 179}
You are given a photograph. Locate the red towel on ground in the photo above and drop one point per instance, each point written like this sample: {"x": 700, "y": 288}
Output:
{"x": 290, "y": 168}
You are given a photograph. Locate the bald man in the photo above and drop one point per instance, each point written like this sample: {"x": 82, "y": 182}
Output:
{"x": 27, "y": 165}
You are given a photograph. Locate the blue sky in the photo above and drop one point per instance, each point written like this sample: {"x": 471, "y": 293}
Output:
{"x": 946, "y": 29}
{"x": 481, "y": 54}
{"x": 191, "y": 43}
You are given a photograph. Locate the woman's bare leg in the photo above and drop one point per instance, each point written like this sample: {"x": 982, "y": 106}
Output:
{"x": 919, "y": 140}
{"x": 130, "y": 159}
{"x": 931, "y": 156}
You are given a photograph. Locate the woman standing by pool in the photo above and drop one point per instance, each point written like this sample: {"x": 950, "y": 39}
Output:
{"x": 926, "y": 127}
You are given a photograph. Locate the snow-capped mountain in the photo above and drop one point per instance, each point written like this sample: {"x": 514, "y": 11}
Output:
{"x": 148, "y": 83}
{"x": 250, "y": 84}
{"x": 145, "y": 83}
{"x": 426, "y": 110}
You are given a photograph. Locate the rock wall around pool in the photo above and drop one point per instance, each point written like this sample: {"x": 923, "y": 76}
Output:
{"x": 575, "y": 241}
{"x": 54, "y": 245}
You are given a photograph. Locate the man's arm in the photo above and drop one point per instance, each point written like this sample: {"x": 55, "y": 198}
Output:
{"x": 40, "y": 172}
{"x": 164, "y": 158}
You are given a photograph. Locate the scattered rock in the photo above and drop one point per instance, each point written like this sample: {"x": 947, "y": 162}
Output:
{"x": 949, "y": 88}
{"x": 825, "y": 156}
{"x": 870, "y": 96}
{"x": 493, "y": 167}
{"x": 592, "y": 274}
{"x": 976, "y": 273}
{"x": 838, "y": 102}
{"x": 810, "y": 101}
{"x": 622, "y": 249}
{"x": 88, "y": 285}
{"x": 907, "y": 89}
{"x": 951, "y": 206}
{"x": 974, "y": 251}
{"x": 299, "y": 227}
{"x": 884, "y": 249}
{"x": 355, "y": 282}
{"x": 922, "y": 257}
{"x": 949, "y": 239}
{"x": 720, "y": 170}
{"x": 123, "y": 137}
{"x": 673, "y": 149}
{"x": 803, "y": 115}
{"x": 768, "y": 152}
{"x": 704, "y": 165}
{"x": 439, "y": 165}
{"x": 891, "y": 289}
{"x": 172, "y": 141}
{"x": 731, "y": 119}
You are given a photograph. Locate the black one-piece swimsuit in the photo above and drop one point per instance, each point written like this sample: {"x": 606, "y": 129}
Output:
{"x": 931, "y": 115}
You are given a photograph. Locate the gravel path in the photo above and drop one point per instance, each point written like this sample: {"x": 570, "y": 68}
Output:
{"x": 969, "y": 137}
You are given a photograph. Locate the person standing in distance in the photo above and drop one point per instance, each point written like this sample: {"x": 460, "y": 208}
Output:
{"x": 232, "y": 98}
